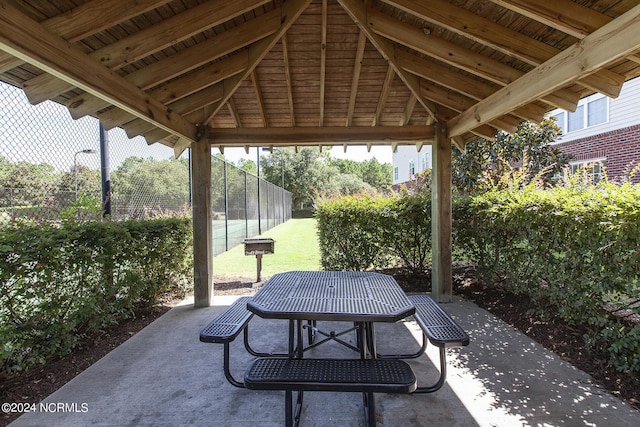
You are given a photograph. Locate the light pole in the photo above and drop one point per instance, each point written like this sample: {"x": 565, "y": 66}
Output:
{"x": 75, "y": 166}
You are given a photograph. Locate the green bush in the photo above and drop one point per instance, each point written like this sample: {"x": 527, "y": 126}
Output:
{"x": 573, "y": 249}
{"x": 61, "y": 282}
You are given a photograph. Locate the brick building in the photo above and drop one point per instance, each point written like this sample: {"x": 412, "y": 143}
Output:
{"x": 604, "y": 132}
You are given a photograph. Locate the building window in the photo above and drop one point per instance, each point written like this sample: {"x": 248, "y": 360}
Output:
{"x": 575, "y": 121}
{"x": 597, "y": 112}
{"x": 593, "y": 168}
{"x": 426, "y": 161}
{"x": 591, "y": 111}
{"x": 395, "y": 173}
{"x": 412, "y": 168}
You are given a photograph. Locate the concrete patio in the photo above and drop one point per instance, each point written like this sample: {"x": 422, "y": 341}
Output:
{"x": 163, "y": 376}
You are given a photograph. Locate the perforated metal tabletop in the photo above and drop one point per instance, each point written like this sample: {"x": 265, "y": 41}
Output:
{"x": 332, "y": 295}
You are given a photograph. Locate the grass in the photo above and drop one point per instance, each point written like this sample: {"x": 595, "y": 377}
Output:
{"x": 296, "y": 248}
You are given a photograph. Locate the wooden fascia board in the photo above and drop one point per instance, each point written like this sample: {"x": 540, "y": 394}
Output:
{"x": 380, "y": 135}
{"x": 607, "y": 44}
{"x": 290, "y": 11}
{"x": 22, "y": 37}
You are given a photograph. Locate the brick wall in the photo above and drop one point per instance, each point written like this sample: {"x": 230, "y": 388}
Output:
{"x": 620, "y": 148}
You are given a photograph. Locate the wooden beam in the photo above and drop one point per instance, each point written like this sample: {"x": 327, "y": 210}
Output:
{"x": 441, "y": 217}
{"x": 26, "y": 39}
{"x": 610, "y": 43}
{"x": 357, "y": 66}
{"x": 323, "y": 60}
{"x": 202, "y": 224}
{"x": 259, "y": 99}
{"x": 234, "y": 113}
{"x": 454, "y": 55}
{"x": 287, "y": 78}
{"x": 408, "y": 111}
{"x": 358, "y": 12}
{"x": 86, "y": 20}
{"x": 186, "y": 60}
{"x": 500, "y": 38}
{"x": 564, "y": 15}
{"x": 290, "y": 11}
{"x": 146, "y": 42}
{"x": 260, "y": 137}
{"x": 384, "y": 94}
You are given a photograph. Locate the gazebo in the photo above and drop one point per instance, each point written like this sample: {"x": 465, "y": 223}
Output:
{"x": 219, "y": 73}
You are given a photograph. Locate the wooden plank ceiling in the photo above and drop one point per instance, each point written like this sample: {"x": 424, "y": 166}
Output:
{"x": 321, "y": 72}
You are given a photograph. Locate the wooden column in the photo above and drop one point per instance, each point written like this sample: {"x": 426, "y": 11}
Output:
{"x": 441, "y": 219}
{"x": 202, "y": 227}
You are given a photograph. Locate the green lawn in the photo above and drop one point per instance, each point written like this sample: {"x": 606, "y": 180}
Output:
{"x": 296, "y": 248}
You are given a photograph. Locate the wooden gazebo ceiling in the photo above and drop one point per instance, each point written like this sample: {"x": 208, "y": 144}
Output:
{"x": 328, "y": 72}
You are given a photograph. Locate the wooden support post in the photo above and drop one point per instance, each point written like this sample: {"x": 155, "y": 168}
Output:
{"x": 202, "y": 228}
{"x": 441, "y": 218}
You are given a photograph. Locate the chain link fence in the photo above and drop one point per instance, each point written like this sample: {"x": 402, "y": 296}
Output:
{"x": 50, "y": 165}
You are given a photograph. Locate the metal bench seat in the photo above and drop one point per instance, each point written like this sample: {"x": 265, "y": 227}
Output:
{"x": 346, "y": 375}
{"x": 441, "y": 330}
{"x": 226, "y": 327}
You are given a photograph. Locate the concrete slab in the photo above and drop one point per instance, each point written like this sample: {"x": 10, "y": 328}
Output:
{"x": 163, "y": 376}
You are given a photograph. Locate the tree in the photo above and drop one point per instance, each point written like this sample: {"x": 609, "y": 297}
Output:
{"x": 377, "y": 175}
{"x": 306, "y": 173}
{"x": 147, "y": 183}
{"x": 519, "y": 158}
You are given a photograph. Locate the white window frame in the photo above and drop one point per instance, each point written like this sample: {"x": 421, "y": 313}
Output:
{"x": 584, "y": 103}
{"x": 596, "y": 176}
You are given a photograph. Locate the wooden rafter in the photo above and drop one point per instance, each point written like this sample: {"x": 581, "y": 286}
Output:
{"x": 287, "y": 78}
{"x": 291, "y": 10}
{"x": 500, "y": 38}
{"x": 386, "y": 86}
{"x": 323, "y": 60}
{"x": 26, "y": 39}
{"x": 145, "y": 42}
{"x": 358, "y": 12}
{"x": 86, "y": 20}
{"x": 186, "y": 60}
{"x": 607, "y": 44}
{"x": 408, "y": 111}
{"x": 256, "y": 88}
{"x": 357, "y": 66}
{"x": 234, "y": 112}
{"x": 459, "y": 57}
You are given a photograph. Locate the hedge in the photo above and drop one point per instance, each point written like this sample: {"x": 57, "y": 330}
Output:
{"x": 574, "y": 250}
{"x": 61, "y": 282}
